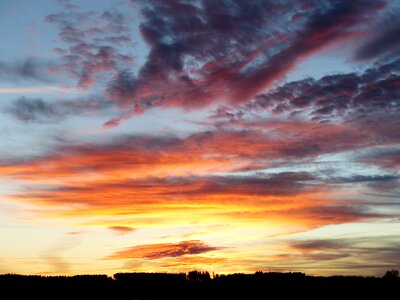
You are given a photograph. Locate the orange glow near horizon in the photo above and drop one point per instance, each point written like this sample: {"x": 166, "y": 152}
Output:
{"x": 131, "y": 190}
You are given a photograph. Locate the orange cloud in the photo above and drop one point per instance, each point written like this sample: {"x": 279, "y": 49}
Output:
{"x": 121, "y": 229}
{"x": 155, "y": 251}
{"x": 148, "y": 181}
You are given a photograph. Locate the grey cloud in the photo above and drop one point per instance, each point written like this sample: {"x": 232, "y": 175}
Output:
{"x": 26, "y": 70}
{"x": 38, "y": 110}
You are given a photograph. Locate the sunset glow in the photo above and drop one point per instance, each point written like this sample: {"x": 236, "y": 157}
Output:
{"x": 227, "y": 136}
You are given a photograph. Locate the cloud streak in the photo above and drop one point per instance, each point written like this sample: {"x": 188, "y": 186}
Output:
{"x": 359, "y": 252}
{"x": 121, "y": 229}
{"x": 157, "y": 251}
{"x": 41, "y": 111}
{"x": 155, "y": 178}
{"x": 38, "y": 90}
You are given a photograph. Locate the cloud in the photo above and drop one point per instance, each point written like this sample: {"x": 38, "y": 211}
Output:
{"x": 26, "y": 70}
{"x": 55, "y": 261}
{"x": 384, "y": 42}
{"x": 350, "y": 97}
{"x": 74, "y": 232}
{"x": 121, "y": 229}
{"x": 333, "y": 114}
{"x": 314, "y": 245}
{"x": 204, "y": 53}
{"x": 94, "y": 41}
{"x": 149, "y": 193}
{"x": 322, "y": 28}
{"x": 357, "y": 252}
{"x": 26, "y": 109}
{"x": 193, "y": 261}
{"x": 305, "y": 213}
{"x": 365, "y": 179}
{"x": 388, "y": 158}
{"x": 220, "y": 173}
{"x": 40, "y": 111}
{"x": 157, "y": 251}
{"x": 227, "y": 51}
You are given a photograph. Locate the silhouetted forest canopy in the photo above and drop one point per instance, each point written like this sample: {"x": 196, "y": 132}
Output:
{"x": 195, "y": 285}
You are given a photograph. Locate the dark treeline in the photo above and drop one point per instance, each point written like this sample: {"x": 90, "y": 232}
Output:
{"x": 197, "y": 285}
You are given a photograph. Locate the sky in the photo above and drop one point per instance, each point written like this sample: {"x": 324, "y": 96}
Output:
{"x": 173, "y": 135}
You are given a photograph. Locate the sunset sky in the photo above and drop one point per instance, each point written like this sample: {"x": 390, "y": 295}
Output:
{"x": 219, "y": 135}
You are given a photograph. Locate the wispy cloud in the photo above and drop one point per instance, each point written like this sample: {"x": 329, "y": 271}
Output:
{"x": 358, "y": 252}
{"x": 156, "y": 251}
{"x": 37, "y": 110}
{"x": 154, "y": 177}
{"x": 40, "y": 90}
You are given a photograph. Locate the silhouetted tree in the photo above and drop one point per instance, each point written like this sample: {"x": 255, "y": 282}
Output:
{"x": 392, "y": 274}
{"x": 196, "y": 285}
{"x": 199, "y": 276}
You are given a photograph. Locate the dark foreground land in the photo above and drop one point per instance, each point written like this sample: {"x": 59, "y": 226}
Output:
{"x": 198, "y": 285}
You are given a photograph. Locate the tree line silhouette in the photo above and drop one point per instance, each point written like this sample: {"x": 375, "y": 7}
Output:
{"x": 196, "y": 285}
